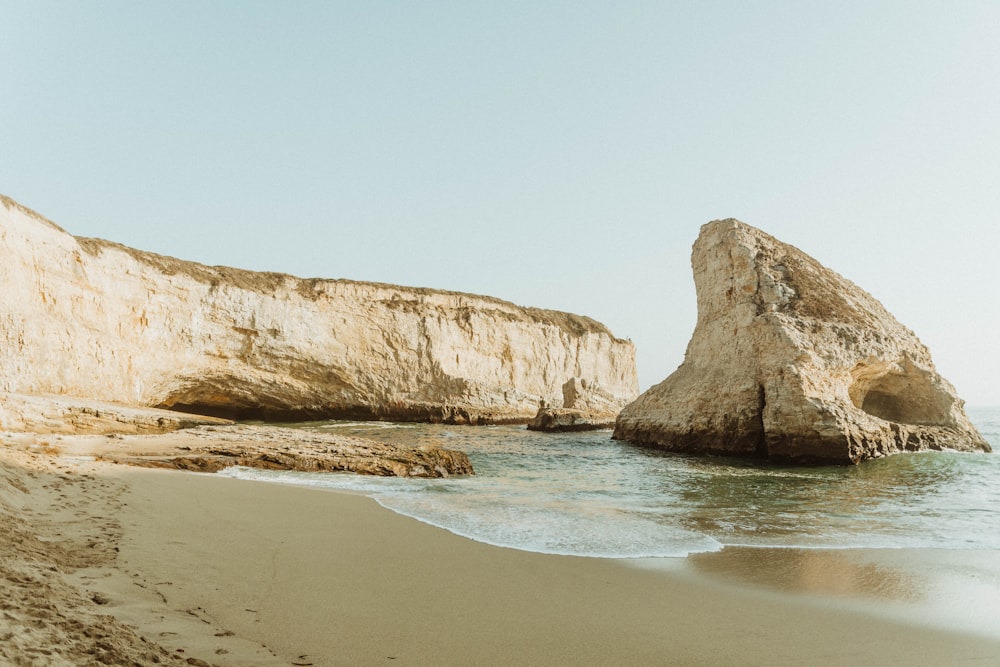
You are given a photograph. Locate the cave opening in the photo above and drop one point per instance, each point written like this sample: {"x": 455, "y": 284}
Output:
{"x": 904, "y": 394}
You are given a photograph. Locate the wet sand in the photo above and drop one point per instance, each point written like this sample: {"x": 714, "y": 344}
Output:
{"x": 230, "y": 572}
{"x": 342, "y": 581}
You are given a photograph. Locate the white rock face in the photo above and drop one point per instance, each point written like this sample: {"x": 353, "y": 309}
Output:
{"x": 94, "y": 319}
{"x": 791, "y": 361}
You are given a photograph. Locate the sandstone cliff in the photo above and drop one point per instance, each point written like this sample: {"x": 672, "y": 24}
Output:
{"x": 791, "y": 361}
{"x": 94, "y": 319}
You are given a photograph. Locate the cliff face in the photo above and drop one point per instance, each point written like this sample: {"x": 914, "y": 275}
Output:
{"x": 791, "y": 361}
{"x": 94, "y": 319}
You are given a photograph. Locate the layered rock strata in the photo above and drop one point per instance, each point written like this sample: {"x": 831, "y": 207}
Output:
{"x": 790, "y": 361}
{"x": 47, "y": 414}
{"x": 154, "y": 438}
{"x": 213, "y": 448}
{"x": 97, "y": 320}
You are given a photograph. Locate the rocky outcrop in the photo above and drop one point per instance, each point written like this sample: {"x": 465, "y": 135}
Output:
{"x": 213, "y": 448}
{"x": 791, "y": 361}
{"x": 94, "y": 319}
{"x": 559, "y": 420}
{"x": 72, "y": 416}
{"x": 585, "y": 407}
{"x": 589, "y": 397}
{"x": 154, "y": 438}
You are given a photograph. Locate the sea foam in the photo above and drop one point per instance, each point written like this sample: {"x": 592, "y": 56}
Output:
{"x": 584, "y": 494}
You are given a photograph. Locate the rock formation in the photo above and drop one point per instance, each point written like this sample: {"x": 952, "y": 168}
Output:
{"x": 586, "y": 407}
{"x": 73, "y": 416}
{"x": 154, "y": 438}
{"x": 94, "y": 319}
{"x": 790, "y": 361}
{"x": 212, "y": 448}
{"x": 559, "y": 420}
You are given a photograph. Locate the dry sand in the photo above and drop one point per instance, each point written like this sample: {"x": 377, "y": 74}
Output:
{"x": 102, "y": 564}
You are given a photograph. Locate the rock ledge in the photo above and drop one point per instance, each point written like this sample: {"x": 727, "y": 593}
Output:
{"x": 557, "y": 420}
{"x": 213, "y": 448}
{"x": 162, "y": 439}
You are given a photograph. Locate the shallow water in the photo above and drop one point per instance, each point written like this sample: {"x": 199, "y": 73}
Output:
{"x": 588, "y": 495}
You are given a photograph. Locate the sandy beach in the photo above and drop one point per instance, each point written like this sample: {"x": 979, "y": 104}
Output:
{"x": 107, "y": 564}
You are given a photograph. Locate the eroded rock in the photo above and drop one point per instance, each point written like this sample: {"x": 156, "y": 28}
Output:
{"x": 557, "y": 420}
{"x": 585, "y": 407}
{"x": 46, "y": 414}
{"x": 791, "y": 361}
{"x": 213, "y": 448}
{"x": 155, "y": 438}
{"x": 93, "y": 319}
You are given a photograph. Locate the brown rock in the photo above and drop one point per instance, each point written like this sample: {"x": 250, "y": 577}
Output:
{"x": 566, "y": 419}
{"x": 210, "y": 449}
{"x": 791, "y": 361}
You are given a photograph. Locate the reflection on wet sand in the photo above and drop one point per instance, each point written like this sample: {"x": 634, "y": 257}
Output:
{"x": 815, "y": 571}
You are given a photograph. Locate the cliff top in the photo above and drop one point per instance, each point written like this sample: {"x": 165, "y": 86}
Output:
{"x": 266, "y": 282}
{"x": 10, "y": 203}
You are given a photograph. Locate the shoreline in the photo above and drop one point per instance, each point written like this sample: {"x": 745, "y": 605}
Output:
{"x": 952, "y": 589}
{"x": 235, "y": 572}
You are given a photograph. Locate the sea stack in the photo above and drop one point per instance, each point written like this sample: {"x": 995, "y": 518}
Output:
{"x": 97, "y": 320}
{"x": 790, "y": 361}
{"x": 584, "y": 408}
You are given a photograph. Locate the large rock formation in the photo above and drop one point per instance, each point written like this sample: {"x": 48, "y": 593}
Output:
{"x": 93, "y": 319}
{"x": 584, "y": 408}
{"x": 791, "y": 361}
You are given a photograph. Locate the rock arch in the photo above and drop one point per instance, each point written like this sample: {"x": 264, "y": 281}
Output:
{"x": 902, "y": 393}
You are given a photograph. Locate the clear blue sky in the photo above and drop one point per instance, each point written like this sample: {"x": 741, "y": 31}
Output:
{"x": 555, "y": 154}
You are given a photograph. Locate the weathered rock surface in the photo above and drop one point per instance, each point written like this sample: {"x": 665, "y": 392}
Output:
{"x": 585, "y": 407}
{"x": 212, "y": 448}
{"x": 94, "y": 319}
{"x": 791, "y": 361}
{"x": 589, "y": 397}
{"x": 557, "y": 420}
{"x": 48, "y": 414}
{"x": 145, "y": 437}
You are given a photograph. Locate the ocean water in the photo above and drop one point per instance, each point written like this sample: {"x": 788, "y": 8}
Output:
{"x": 585, "y": 494}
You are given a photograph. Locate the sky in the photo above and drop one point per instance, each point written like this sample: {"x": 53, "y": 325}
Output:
{"x": 554, "y": 154}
